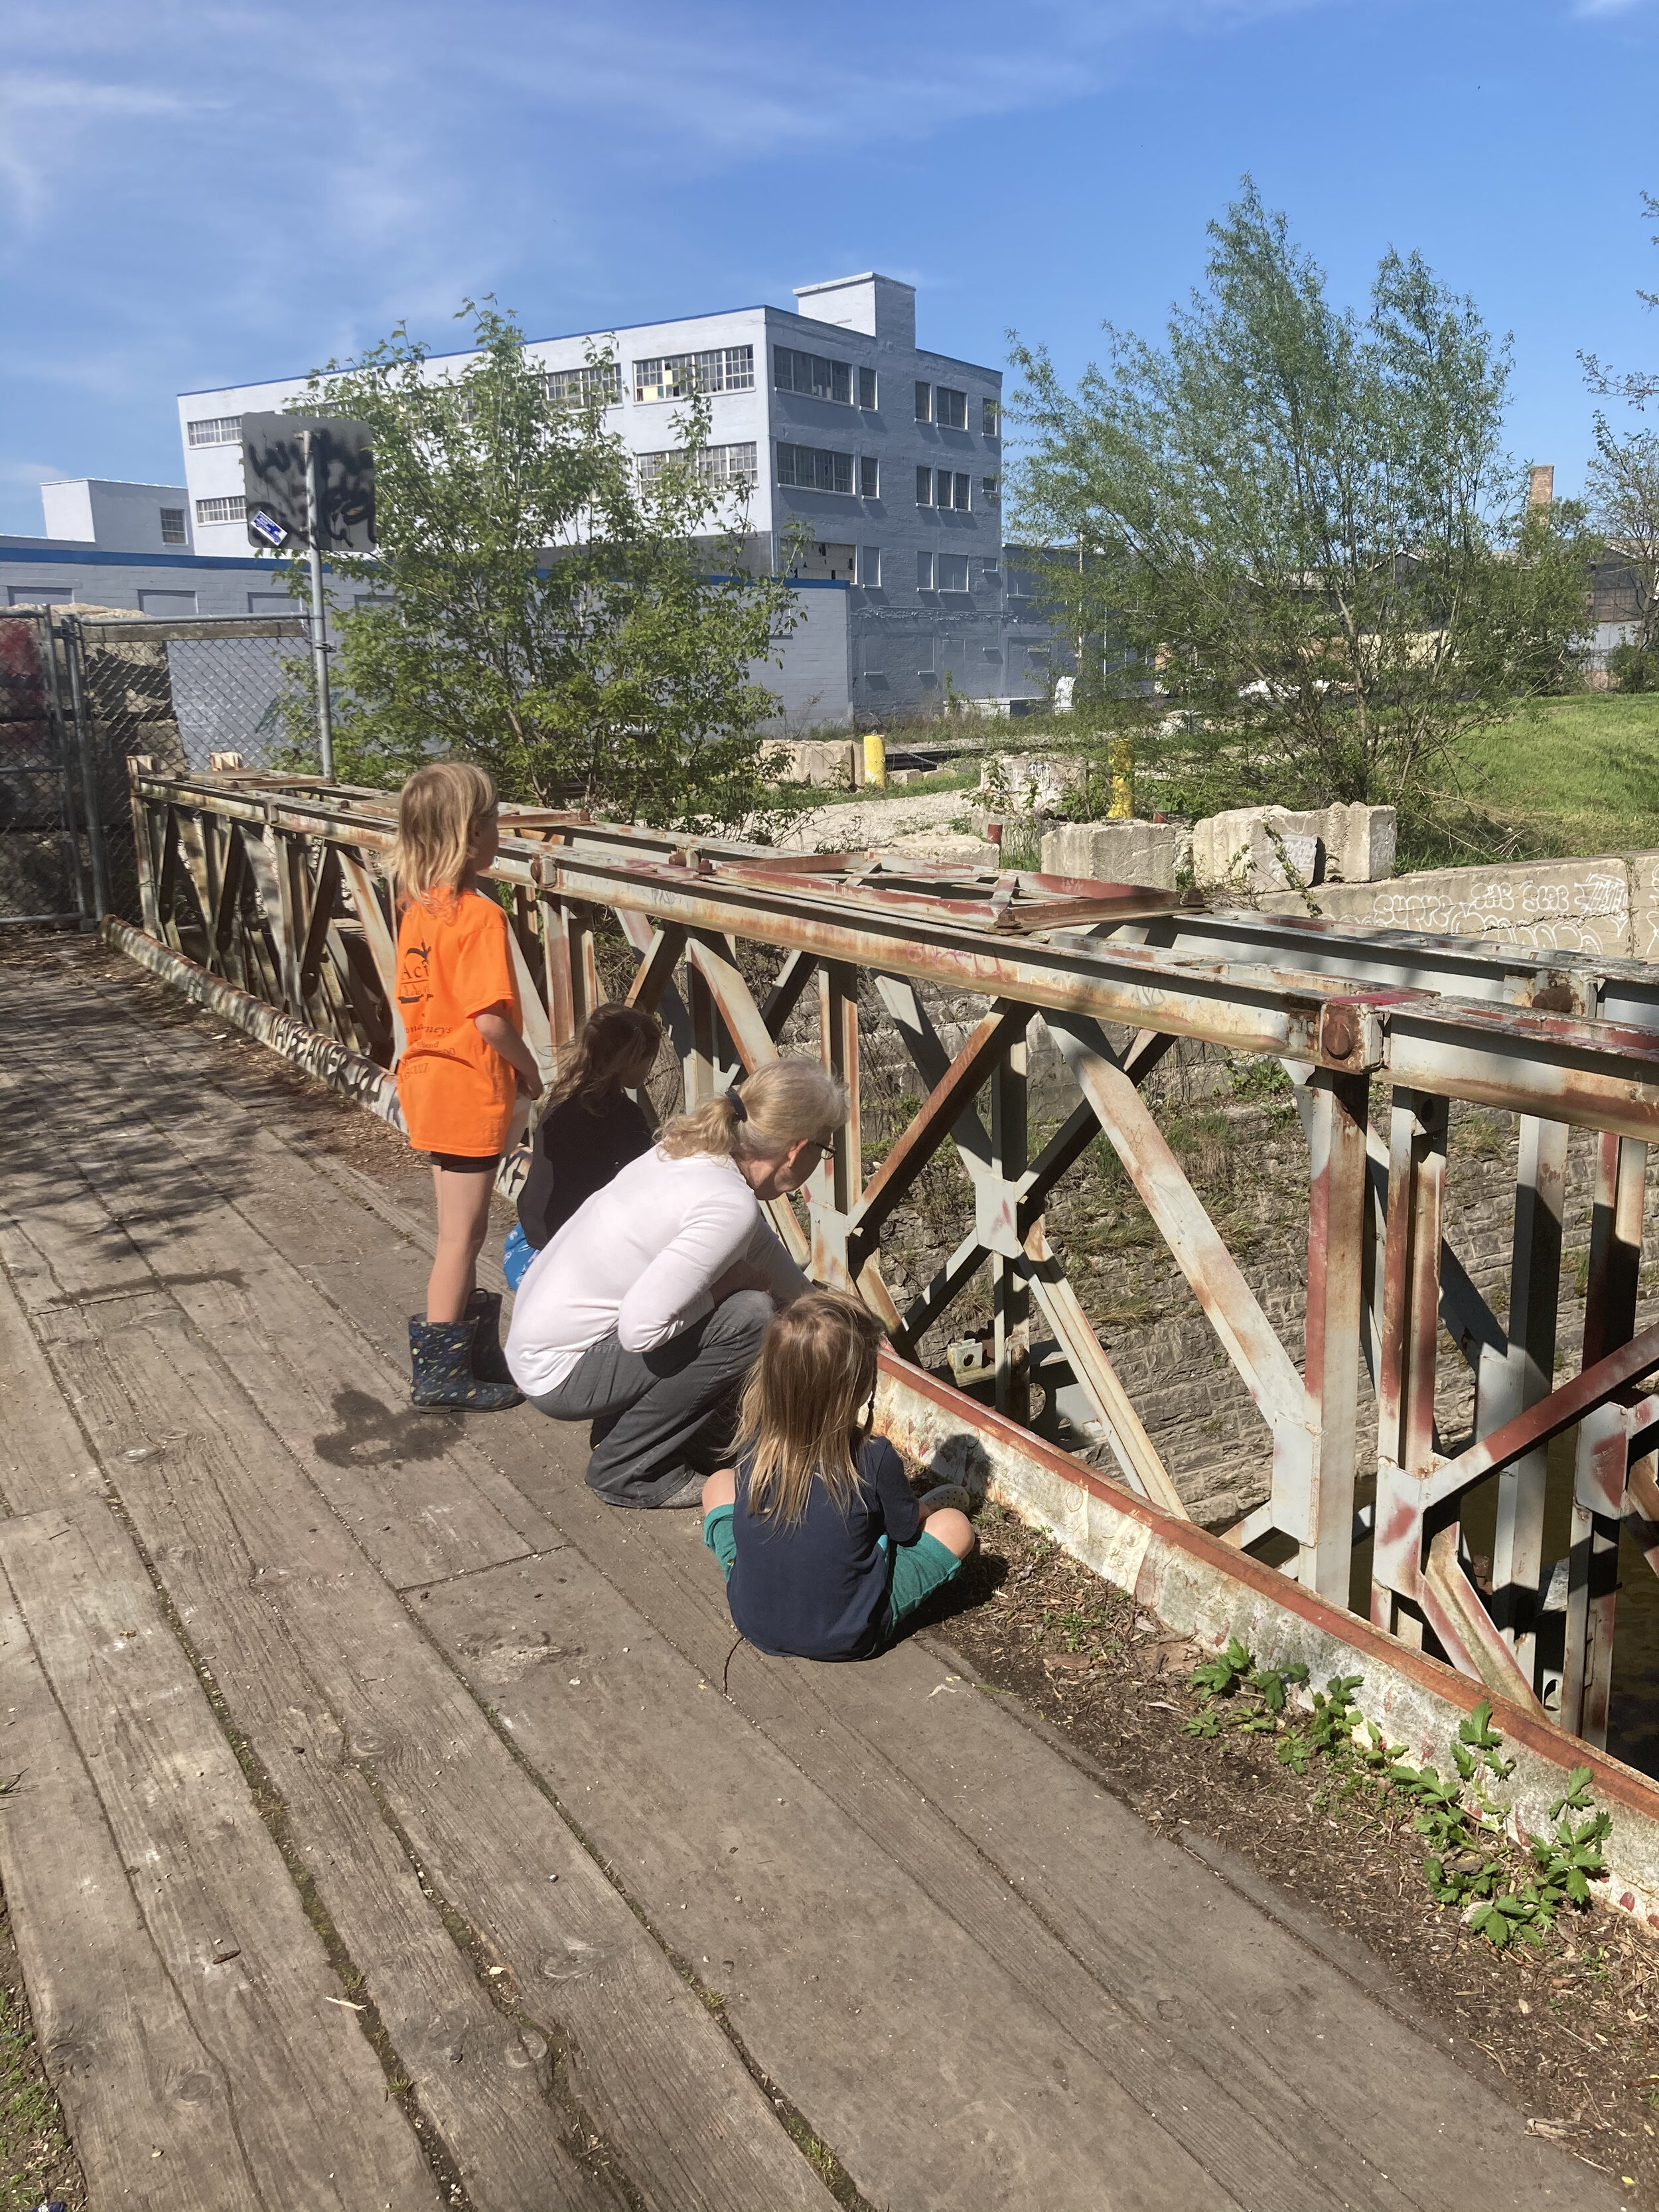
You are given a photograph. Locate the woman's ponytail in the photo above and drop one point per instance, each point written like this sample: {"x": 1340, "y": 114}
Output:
{"x": 780, "y": 1104}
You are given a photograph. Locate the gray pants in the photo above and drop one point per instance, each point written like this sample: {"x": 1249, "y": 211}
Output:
{"x": 661, "y": 1417}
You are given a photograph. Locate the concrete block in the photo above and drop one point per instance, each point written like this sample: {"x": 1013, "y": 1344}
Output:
{"x": 1130, "y": 852}
{"x": 1644, "y": 906}
{"x": 1603, "y": 906}
{"x": 1029, "y": 783}
{"x": 837, "y": 763}
{"x": 1273, "y": 849}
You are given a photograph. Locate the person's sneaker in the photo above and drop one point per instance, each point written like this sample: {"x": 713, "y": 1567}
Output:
{"x": 944, "y": 1494}
{"x": 689, "y": 1495}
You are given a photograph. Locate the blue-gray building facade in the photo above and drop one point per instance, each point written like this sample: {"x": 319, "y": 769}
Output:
{"x": 866, "y": 464}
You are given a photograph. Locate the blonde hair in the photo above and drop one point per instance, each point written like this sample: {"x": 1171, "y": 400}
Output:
{"x": 613, "y": 1041}
{"x": 807, "y": 1403}
{"x": 780, "y": 1104}
{"x": 439, "y": 811}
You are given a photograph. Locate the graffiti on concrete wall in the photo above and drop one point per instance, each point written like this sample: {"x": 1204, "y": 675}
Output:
{"x": 1608, "y": 908}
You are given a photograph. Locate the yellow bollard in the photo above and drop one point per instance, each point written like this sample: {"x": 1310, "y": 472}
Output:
{"x": 875, "y": 758}
{"x": 1120, "y": 755}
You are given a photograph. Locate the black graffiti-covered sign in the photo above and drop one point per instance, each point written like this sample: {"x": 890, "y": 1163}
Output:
{"x": 274, "y": 482}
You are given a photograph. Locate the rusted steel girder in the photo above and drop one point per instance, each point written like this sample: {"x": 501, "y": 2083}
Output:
{"x": 273, "y": 888}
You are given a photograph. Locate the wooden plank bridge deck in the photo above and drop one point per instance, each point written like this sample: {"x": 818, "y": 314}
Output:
{"x": 383, "y": 1837}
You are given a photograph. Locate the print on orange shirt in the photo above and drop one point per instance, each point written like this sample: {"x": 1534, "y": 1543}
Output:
{"x": 454, "y": 962}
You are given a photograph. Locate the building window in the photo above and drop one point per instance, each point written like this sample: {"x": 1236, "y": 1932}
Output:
{"x": 716, "y": 465}
{"x": 925, "y": 486}
{"x": 594, "y": 386}
{"x": 810, "y": 372}
{"x": 222, "y": 510}
{"x": 870, "y": 567}
{"x": 869, "y": 477}
{"x": 808, "y": 468}
{"x": 990, "y": 416}
{"x": 924, "y": 403}
{"x": 952, "y": 572}
{"x": 678, "y": 375}
{"x": 215, "y": 430}
{"x": 924, "y": 572}
{"x": 964, "y": 494}
{"x": 866, "y": 387}
{"x": 174, "y": 531}
{"x": 990, "y": 491}
{"x": 949, "y": 409}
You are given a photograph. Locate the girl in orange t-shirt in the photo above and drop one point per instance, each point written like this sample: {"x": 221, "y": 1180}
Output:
{"x": 464, "y": 1066}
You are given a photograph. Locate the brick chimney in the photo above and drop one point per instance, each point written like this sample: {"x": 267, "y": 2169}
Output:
{"x": 1541, "y": 484}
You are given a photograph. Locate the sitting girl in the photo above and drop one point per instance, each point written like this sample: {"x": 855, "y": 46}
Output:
{"x": 825, "y": 1550}
{"x": 589, "y": 1130}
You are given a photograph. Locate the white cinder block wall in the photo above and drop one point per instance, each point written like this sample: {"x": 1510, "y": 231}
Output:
{"x": 853, "y": 431}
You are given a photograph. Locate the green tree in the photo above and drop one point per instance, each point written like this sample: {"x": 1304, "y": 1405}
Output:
{"x": 1623, "y": 481}
{"x": 1307, "y": 566}
{"x": 579, "y": 626}
{"x": 1636, "y": 385}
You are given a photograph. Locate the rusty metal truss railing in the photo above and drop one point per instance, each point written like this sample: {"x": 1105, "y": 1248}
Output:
{"x": 269, "y": 887}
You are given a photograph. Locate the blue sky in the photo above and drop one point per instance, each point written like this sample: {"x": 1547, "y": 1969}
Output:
{"x": 197, "y": 194}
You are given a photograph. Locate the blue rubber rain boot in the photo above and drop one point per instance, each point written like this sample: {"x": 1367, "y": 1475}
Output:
{"x": 440, "y": 1352}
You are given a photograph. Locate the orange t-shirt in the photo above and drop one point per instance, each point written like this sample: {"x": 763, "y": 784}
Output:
{"x": 457, "y": 1092}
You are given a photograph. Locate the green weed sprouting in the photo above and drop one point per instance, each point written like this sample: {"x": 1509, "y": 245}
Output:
{"x": 1457, "y": 1815}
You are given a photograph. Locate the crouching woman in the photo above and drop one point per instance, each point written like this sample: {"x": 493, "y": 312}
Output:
{"x": 645, "y": 1313}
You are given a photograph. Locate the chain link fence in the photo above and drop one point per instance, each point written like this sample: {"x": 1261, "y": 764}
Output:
{"x": 80, "y": 694}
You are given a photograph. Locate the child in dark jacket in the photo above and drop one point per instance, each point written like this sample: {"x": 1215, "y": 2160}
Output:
{"x": 825, "y": 1550}
{"x": 589, "y": 1131}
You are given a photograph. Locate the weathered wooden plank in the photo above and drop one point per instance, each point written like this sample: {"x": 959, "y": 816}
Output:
{"x": 384, "y": 1467}
{"x": 952, "y": 1793}
{"x": 44, "y": 1459}
{"x": 478, "y": 2072}
{"x": 647, "y": 2065}
{"x": 148, "y": 2106}
{"x": 307, "y": 2092}
{"x": 838, "y": 1961}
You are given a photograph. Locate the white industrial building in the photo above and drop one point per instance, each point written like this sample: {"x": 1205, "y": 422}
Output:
{"x": 874, "y": 469}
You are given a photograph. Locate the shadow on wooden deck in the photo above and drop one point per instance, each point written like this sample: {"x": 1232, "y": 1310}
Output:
{"x": 384, "y": 1839}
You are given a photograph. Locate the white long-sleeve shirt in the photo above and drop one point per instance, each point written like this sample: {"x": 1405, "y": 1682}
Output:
{"x": 639, "y": 1257}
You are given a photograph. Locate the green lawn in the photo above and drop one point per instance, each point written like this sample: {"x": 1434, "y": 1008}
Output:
{"x": 1571, "y": 775}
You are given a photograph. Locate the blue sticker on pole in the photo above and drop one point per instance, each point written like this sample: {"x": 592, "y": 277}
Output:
{"x": 270, "y": 531}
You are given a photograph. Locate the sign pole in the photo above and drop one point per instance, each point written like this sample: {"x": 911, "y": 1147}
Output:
{"x": 319, "y": 618}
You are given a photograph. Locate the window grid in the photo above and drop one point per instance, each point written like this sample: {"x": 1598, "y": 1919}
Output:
{"x": 174, "y": 531}
{"x": 812, "y": 468}
{"x": 952, "y": 572}
{"x": 924, "y": 403}
{"x": 924, "y": 572}
{"x": 990, "y": 491}
{"x": 716, "y": 465}
{"x": 950, "y": 408}
{"x": 599, "y": 386}
{"x": 678, "y": 375}
{"x": 215, "y": 430}
{"x": 222, "y": 510}
{"x": 811, "y": 373}
{"x": 866, "y": 387}
{"x": 990, "y": 421}
{"x": 925, "y": 487}
{"x": 869, "y": 477}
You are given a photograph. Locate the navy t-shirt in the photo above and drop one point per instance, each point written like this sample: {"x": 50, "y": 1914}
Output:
{"x": 819, "y": 1590}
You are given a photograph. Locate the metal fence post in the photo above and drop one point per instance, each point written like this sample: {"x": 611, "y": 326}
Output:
{"x": 89, "y": 783}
